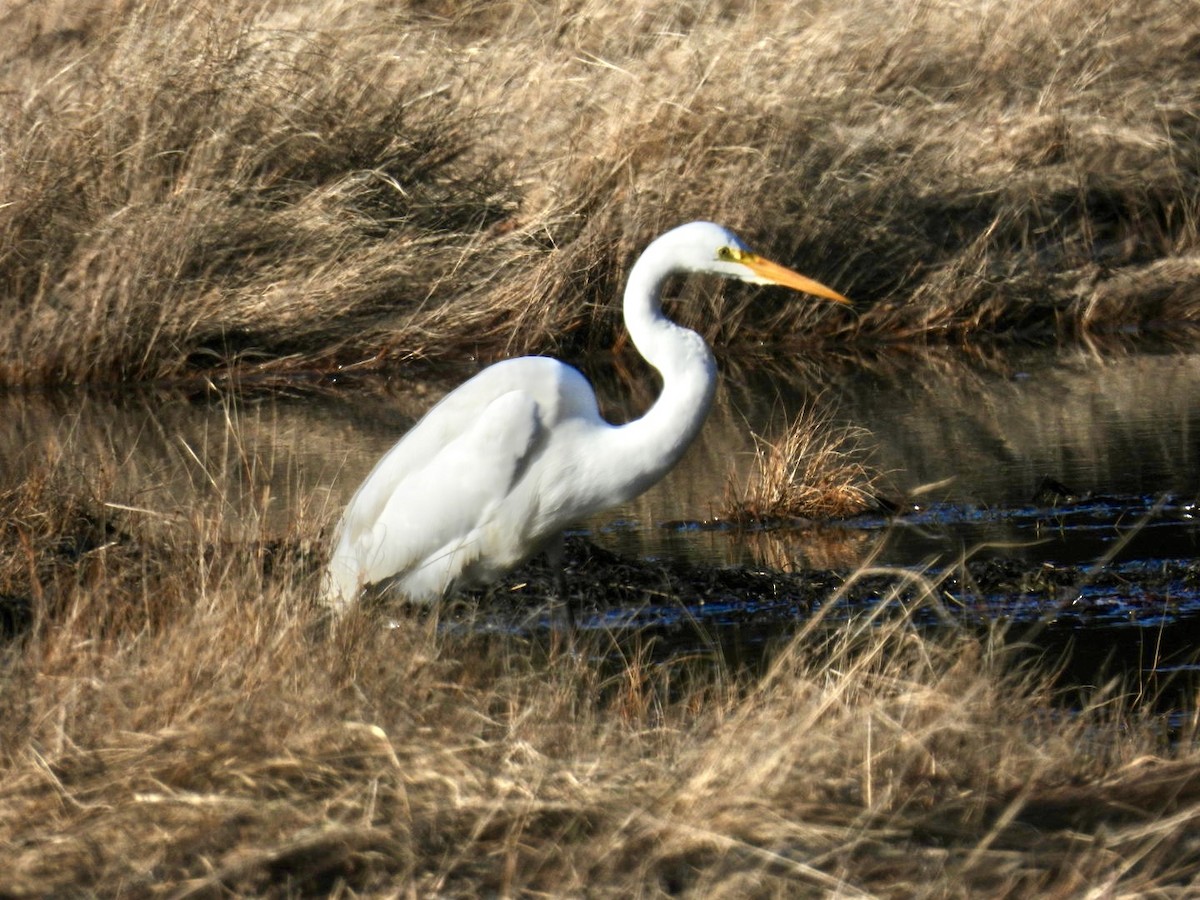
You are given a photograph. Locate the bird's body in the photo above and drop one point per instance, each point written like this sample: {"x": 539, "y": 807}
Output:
{"x": 510, "y": 458}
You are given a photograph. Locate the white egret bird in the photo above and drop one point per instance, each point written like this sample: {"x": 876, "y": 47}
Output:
{"x": 497, "y": 469}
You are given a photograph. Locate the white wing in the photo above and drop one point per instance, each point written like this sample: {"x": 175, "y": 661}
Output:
{"x": 417, "y": 516}
{"x": 425, "y": 527}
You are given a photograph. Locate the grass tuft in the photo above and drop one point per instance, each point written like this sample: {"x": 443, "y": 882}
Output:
{"x": 814, "y": 470}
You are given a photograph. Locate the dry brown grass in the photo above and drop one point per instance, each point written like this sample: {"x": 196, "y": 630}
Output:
{"x": 816, "y": 469}
{"x": 186, "y": 186}
{"x": 177, "y": 722}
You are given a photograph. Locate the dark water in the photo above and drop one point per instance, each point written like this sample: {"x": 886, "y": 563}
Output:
{"x": 965, "y": 445}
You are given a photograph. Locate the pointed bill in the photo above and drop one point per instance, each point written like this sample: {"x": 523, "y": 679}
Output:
{"x": 774, "y": 273}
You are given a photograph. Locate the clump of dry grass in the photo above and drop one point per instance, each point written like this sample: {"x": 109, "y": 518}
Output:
{"x": 198, "y": 188}
{"x": 333, "y": 183}
{"x": 56, "y": 531}
{"x": 213, "y": 738}
{"x": 815, "y": 470}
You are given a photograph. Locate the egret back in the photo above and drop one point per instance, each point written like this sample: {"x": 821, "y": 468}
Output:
{"x": 417, "y": 518}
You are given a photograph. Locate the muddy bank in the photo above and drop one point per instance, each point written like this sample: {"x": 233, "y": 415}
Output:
{"x": 1136, "y": 620}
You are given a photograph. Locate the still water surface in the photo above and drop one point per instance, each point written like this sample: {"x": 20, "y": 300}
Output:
{"x": 964, "y": 445}
{"x": 963, "y": 441}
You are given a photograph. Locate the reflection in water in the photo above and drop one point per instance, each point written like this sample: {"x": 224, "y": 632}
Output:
{"x": 968, "y": 441}
{"x": 1117, "y": 424}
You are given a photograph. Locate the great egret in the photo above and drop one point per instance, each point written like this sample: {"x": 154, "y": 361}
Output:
{"x": 498, "y": 468}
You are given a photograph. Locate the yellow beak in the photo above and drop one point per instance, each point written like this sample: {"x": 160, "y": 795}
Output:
{"x": 774, "y": 273}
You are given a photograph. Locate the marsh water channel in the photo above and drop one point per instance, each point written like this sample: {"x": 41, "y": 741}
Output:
{"x": 1056, "y": 487}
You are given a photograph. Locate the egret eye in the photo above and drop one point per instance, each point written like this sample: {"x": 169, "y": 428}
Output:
{"x": 726, "y": 254}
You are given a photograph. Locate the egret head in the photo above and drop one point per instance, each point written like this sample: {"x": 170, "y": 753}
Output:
{"x": 707, "y": 247}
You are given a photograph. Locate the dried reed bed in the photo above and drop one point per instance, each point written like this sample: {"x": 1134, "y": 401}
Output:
{"x": 304, "y": 185}
{"x": 301, "y": 185}
{"x": 178, "y": 722}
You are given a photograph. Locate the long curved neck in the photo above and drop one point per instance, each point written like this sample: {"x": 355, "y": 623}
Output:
{"x": 689, "y": 373}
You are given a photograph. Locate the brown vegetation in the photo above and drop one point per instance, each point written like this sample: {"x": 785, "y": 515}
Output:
{"x": 189, "y": 187}
{"x": 814, "y": 470}
{"x": 193, "y": 731}
{"x": 292, "y": 185}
